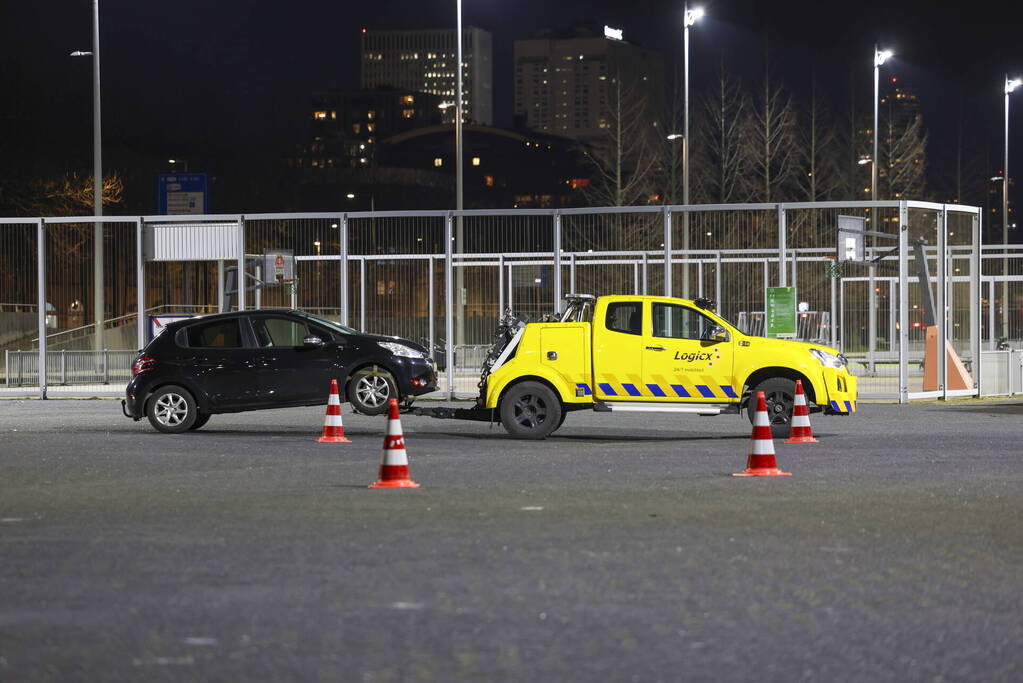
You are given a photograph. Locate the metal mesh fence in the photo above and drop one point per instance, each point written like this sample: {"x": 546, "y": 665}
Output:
{"x": 397, "y": 275}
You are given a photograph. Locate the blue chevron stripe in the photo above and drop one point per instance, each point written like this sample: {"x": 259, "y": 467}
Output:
{"x": 607, "y": 388}
{"x": 585, "y": 387}
{"x": 631, "y": 389}
{"x": 680, "y": 390}
{"x": 729, "y": 391}
{"x": 656, "y": 390}
{"x": 705, "y": 390}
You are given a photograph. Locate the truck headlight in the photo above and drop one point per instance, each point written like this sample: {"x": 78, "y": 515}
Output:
{"x": 401, "y": 350}
{"x": 830, "y": 360}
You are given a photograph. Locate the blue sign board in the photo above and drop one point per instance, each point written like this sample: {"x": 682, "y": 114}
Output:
{"x": 182, "y": 193}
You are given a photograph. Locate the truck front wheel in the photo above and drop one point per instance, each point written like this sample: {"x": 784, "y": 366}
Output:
{"x": 530, "y": 410}
{"x": 779, "y": 393}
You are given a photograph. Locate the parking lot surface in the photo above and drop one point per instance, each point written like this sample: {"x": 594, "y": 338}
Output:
{"x": 619, "y": 549}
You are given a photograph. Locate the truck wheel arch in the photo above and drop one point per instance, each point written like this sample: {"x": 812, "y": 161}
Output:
{"x": 761, "y": 374}
{"x": 529, "y": 378}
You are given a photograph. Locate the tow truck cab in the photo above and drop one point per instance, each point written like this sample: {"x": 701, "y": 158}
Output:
{"x": 653, "y": 353}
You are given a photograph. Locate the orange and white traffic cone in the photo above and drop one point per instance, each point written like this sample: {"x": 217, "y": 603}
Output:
{"x": 394, "y": 468}
{"x": 801, "y": 431}
{"x": 333, "y": 429}
{"x": 761, "y": 462}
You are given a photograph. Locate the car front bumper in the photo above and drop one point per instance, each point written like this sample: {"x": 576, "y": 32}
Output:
{"x": 841, "y": 392}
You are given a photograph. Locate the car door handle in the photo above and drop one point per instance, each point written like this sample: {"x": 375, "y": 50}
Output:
{"x": 657, "y": 348}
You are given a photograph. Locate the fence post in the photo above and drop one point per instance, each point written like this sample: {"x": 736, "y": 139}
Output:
{"x": 140, "y": 283}
{"x": 106, "y": 366}
{"x": 976, "y": 342}
{"x": 343, "y": 271}
{"x": 782, "y": 246}
{"x": 667, "y": 255}
{"x": 500, "y": 286}
{"x": 557, "y": 261}
{"x": 941, "y": 305}
{"x": 63, "y": 366}
{"x": 449, "y": 321}
{"x": 903, "y": 303}
{"x": 240, "y": 280}
{"x": 362, "y": 293}
{"x": 41, "y": 291}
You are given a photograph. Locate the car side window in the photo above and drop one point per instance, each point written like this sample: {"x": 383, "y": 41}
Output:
{"x": 222, "y": 334}
{"x": 625, "y": 316}
{"x": 279, "y": 332}
{"x": 679, "y": 322}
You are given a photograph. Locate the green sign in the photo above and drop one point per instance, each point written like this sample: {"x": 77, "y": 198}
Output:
{"x": 781, "y": 312}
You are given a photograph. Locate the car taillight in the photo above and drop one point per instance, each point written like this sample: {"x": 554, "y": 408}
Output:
{"x": 142, "y": 364}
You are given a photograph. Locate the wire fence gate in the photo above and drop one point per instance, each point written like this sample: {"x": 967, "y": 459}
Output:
{"x": 444, "y": 277}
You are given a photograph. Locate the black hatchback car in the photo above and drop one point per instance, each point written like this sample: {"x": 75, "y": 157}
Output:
{"x": 249, "y": 360}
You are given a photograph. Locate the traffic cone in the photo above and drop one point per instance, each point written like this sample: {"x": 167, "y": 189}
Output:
{"x": 333, "y": 430}
{"x": 800, "y": 432}
{"x": 761, "y": 462}
{"x": 394, "y": 468}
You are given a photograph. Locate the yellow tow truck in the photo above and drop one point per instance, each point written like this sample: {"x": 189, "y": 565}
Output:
{"x": 652, "y": 354}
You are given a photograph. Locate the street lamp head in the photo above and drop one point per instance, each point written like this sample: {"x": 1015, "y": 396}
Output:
{"x": 864, "y": 162}
{"x": 1012, "y": 85}
{"x": 692, "y": 16}
{"x": 80, "y": 53}
{"x": 350, "y": 195}
{"x": 674, "y": 136}
{"x": 881, "y": 56}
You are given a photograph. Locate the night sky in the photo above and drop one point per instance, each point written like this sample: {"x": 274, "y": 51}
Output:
{"x": 202, "y": 78}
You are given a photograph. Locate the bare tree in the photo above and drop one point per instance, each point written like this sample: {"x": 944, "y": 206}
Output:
{"x": 719, "y": 162}
{"x": 902, "y": 162}
{"x": 819, "y": 156}
{"x": 771, "y": 141}
{"x": 624, "y": 160}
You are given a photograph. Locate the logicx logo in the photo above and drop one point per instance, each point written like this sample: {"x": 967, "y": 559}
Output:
{"x": 693, "y": 357}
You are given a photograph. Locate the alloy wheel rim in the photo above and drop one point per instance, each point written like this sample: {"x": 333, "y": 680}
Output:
{"x": 373, "y": 390}
{"x": 530, "y": 411}
{"x": 171, "y": 409}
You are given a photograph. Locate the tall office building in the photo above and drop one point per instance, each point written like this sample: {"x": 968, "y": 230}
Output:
{"x": 426, "y": 61}
{"x": 563, "y": 80}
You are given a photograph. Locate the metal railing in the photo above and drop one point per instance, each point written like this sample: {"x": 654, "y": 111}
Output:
{"x": 69, "y": 367}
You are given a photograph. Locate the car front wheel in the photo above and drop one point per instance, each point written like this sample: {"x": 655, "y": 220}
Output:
{"x": 171, "y": 410}
{"x": 370, "y": 389}
{"x": 779, "y": 394}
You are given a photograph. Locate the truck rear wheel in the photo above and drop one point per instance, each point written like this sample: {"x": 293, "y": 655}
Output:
{"x": 530, "y": 410}
{"x": 779, "y": 393}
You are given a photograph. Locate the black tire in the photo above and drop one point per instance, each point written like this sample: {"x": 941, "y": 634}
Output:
{"x": 780, "y": 394}
{"x": 171, "y": 410}
{"x": 200, "y": 420}
{"x": 530, "y": 410}
{"x": 370, "y": 389}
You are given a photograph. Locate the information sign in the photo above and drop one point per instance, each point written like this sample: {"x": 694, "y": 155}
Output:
{"x": 781, "y": 312}
{"x": 182, "y": 193}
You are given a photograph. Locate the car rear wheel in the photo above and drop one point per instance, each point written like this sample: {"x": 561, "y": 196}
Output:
{"x": 171, "y": 410}
{"x": 370, "y": 389}
{"x": 530, "y": 410}
{"x": 779, "y": 394}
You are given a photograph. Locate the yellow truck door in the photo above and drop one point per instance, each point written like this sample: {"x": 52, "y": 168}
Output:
{"x": 618, "y": 342}
{"x": 679, "y": 365}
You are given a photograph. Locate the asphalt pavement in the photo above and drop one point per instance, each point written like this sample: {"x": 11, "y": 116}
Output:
{"x": 619, "y": 549}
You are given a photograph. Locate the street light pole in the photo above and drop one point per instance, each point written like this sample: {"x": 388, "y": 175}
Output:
{"x": 689, "y": 17}
{"x": 879, "y": 59}
{"x": 97, "y": 186}
{"x": 1009, "y": 87}
{"x": 459, "y": 235}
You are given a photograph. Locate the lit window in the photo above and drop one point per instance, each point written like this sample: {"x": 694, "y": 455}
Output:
{"x": 407, "y": 99}
{"x": 437, "y": 161}
{"x": 371, "y": 114}
{"x": 370, "y": 127}
{"x": 475, "y": 161}
{"x": 408, "y": 113}
{"x": 488, "y": 180}
{"x": 320, "y": 115}
{"x": 356, "y": 128}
